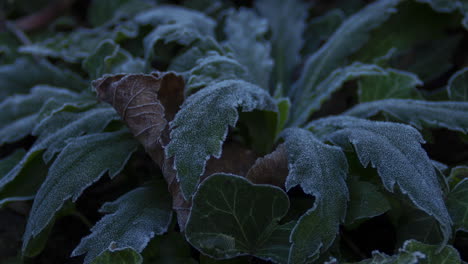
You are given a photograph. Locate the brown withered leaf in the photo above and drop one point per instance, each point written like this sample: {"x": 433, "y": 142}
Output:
{"x": 146, "y": 102}
{"x": 271, "y": 169}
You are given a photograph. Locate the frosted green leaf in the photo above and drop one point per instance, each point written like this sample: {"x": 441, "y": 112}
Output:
{"x": 330, "y": 85}
{"x": 457, "y": 204}
{"x": 212, "y": 69}
{"x": 245, "y": 32}
{"x": 19, "y": 113}
{"x": 198, "y": 50}
{"x": 79, "y": 44}
{"x": 200, "y": 127}
{"x": 239, "y": 220}
{"x": 13, "y": 81}
{"x": 320, "y": 170}
{"x": 101, "y": 12}
{"x": 174, "y": 24}
{"x": 81, "y": 163}
{"x": 131, "y": 222}
{"x": 458, "y": 86}
{"x": 109, "y": 57}
{"x": 450, "y": 115}
{"x": 287, "y": 24}
{"x": 400, "y": 258}
{"x": 320, "y": 28}
{"x": 433, "y": 254}
{"x": 392, "y": 84}
{"x": 350, "y": 36}
{"x": 365, "y": 202}
{"x": 122, "y": 256}
{"x": 399, "y": 159}
{"x": 53, "y": 132}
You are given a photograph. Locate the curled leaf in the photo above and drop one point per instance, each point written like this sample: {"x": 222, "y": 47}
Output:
{"x": 270, "y": 169}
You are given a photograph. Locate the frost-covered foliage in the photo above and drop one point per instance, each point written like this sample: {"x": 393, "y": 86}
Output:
{"x": 274, "y": 132}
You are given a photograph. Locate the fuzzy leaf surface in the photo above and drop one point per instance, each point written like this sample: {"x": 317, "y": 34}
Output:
{"x": 282, "y": 17}
{"x": 245, "y": 33}
{"x": 83, "y": 161}
{"x": 239, "y": 220}
{"x": 200, "y": 127}
{"x": 320, "y": 170}
{"x": 458, "y": 86}
{"x": 77, "y": 45}
{"x": 457, "y": 204}
{"x": 53, "y": 132}
{"x": 131, "y": 222}
{"x": 418, "y": 113}
{"x": 350, "y": 36}
{"x": 399, "y": 160}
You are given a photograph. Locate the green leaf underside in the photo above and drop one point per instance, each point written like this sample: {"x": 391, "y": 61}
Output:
{"x": 245, "y": 33}
{"x": 365, "y": 202}
{"x": 130, "y": 222}
{"x": 400, "y": 160}
{"x": 457, "y": 204}
{"x": 393, "y": 84}
{"x": 320, "y": 170}
{"x": 349, "y": 37}
{"x": 450, "y": 115}
{"x": 200, "y": 127}
{"x": 19, "y": 114}
{"x": 283, "y": 16}
{"x": 81, "y": 163}
{"x": 121, "y": 256}
{"x": 458, "y": 86}
{"x": 54, "y": 131}
{"x": 232, "y": 217}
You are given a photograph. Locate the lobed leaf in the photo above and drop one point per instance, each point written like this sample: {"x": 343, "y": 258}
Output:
{"x": 239, "y": 220}
{"x": 200, "y": 127}
{"x": 350, "y": 36}
{"x": 287, "y": 24}
{"x": 450, "y": 115}
{"x": 81, "y": 163}
{"x": 245, "y": 32}
{"x": 130, "y": 223}
{"x": 395, "y": 151}
{"x": 458, "y": 86}
{"x": 320, "y": 170}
